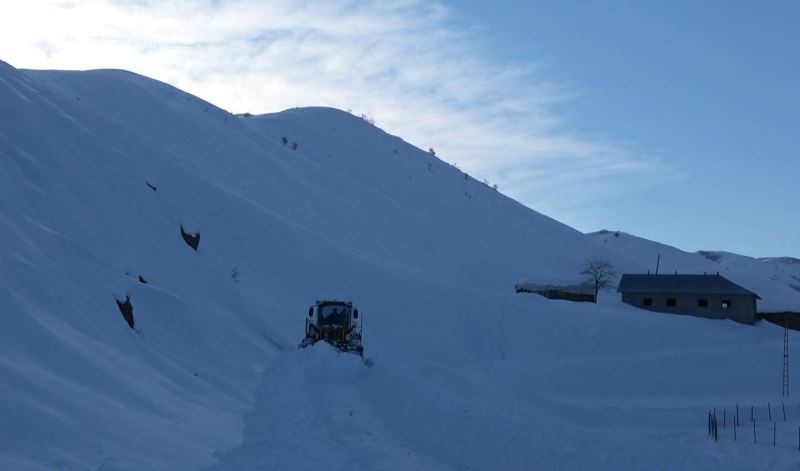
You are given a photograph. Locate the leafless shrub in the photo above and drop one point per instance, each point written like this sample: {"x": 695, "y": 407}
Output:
{"x": 600, "y": 274}
{"x": 192, "y": 240}
{"x": 126, "y": 308}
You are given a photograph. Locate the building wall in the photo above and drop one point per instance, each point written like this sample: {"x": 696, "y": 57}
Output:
{"x": 742, "y": 307}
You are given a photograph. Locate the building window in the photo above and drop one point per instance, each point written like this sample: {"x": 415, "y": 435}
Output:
{"x": 670, "y": 302}
{"x": 702, "y": 303}
{"x": 648, "y": 301}
{"x": 726, "y": 304}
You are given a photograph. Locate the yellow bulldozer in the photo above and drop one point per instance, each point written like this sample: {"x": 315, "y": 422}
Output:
{"x": 335, "y": 322}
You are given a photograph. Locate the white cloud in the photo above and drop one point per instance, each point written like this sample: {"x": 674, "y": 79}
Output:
{"x": 403, "y": 62}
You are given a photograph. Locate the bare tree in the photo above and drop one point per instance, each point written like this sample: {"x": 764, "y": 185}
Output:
{"x": 600, "y": 274}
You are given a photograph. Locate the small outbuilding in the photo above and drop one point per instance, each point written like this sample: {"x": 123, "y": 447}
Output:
{"x": 711, "y": 296}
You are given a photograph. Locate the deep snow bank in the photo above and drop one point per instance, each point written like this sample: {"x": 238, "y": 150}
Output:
{"x": 98, "y": 171}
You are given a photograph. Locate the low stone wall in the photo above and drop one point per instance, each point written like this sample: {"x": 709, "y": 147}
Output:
{"x": 555, "y": 293}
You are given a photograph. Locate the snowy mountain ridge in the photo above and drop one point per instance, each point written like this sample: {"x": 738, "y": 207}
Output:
{"x": 101, "y": 170}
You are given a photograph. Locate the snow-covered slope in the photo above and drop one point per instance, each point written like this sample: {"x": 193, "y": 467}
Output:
{"x": 776, "y": 280}
{"x": 98, "y": 170}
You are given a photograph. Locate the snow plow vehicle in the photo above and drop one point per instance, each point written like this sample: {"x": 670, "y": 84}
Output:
{"x": 335, "y": 322}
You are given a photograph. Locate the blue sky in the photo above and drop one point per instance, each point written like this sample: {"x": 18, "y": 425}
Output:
{"x": 712, "y": 87}
{"x": 675, "y": 121}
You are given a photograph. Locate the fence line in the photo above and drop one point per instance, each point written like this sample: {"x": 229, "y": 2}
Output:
{"x": 761, "y": 419}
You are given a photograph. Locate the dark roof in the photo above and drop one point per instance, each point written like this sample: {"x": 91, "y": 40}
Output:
{"x": 678, "y": 284}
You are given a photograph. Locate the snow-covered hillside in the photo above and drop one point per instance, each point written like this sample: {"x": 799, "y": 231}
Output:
{"x": 776, "y": 280}
{"x": 98, "y": 171}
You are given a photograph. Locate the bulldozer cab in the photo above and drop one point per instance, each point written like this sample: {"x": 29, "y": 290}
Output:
{"x": 334, "y": 314}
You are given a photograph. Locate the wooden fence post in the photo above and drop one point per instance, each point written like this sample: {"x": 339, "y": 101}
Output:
{"x": 769, "y": 409}
{"x": 712, "y": 427}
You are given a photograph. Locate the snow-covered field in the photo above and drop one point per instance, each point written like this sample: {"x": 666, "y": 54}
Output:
{"x": 466, "y": 375}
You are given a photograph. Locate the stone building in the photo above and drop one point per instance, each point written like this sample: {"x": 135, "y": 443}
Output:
{"x": 711, "y": 296}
